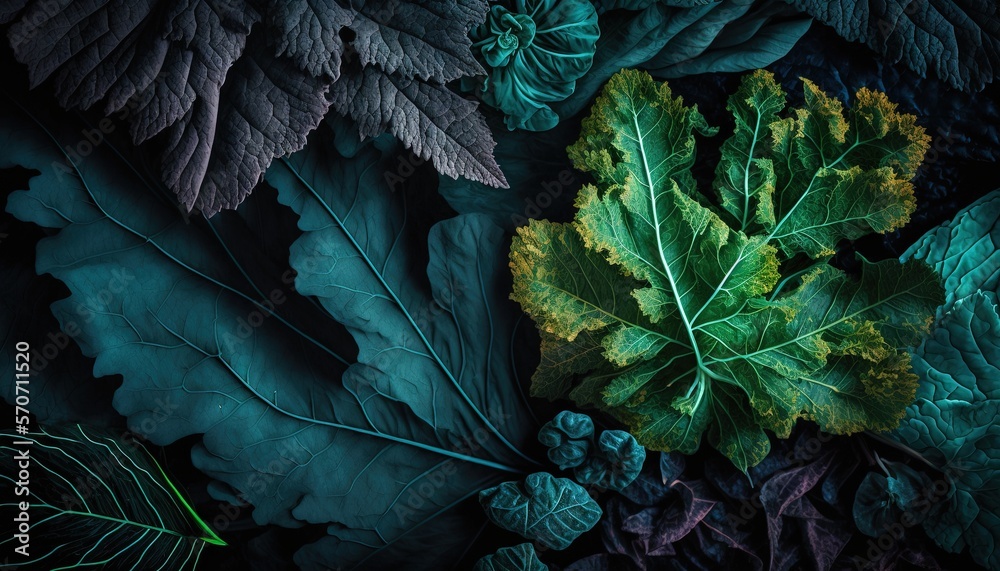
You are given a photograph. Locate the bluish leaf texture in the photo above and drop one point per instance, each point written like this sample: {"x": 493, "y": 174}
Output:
{"x": 616, "y": 461}
{"x": 220, "y": 102}
{"x": 552, "y": 511}
{"x": 569, "y": 438}
{"x": 214, "y": 338}
{"x": 98, "y": 501}
{"x": 676, "y": 39}
{"x": 953, "y": 423}
{"x": 957, "y": 40}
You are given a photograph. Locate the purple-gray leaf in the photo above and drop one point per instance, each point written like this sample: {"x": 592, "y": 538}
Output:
{"x": 429, "y": 119}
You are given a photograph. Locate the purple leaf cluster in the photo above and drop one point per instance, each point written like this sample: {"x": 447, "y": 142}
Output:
{"x": 792, "y": 513}
{"x": 221, "y": 88}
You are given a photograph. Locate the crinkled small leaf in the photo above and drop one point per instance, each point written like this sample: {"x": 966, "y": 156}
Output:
{"x": 552, "y": 511}
{"x": 614, "y": 464}
{"x": 568, "y": 437}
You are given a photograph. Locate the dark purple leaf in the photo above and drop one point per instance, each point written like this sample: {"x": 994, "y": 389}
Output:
{"x": 784, "y": 500}
{"x": 181, "y": 72}
{"x": 682, "y": 517}
{"x": 426, "y": 39}
{"x": 671, "y": 466}
{"x": 217, "y": 155}
{"x": 310, "y": 33}
{"x": 429, "y": 119}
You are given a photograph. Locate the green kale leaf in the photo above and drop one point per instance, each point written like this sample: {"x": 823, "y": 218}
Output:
{"x": 679, "y": 317}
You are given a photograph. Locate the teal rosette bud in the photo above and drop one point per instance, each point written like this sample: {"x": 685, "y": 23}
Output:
{"x": 568, "y": 437}
{"x": 616, "y": 462}
{"x": 533, "y": 52}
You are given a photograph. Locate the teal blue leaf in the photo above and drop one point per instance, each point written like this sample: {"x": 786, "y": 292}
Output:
{"x": 881, "y": 500}
{"x": 964, "y": 251}
{"x": 521, "y": 557}
{"x": 534, "y": 51}
{"x": 687, "y": 37}
{"x": 98, "y": 501}
{"x": 953, "y": 423}
{"x": 402, "y": 361}
{"x": 552, "y": 511}
{"x": 568, "y": 437}
{"x": 737, "y": 35}
{"x": 615, "y": 463}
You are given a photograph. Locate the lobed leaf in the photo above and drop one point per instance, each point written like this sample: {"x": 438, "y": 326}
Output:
{"x": 316, "y": 393}
{"x": 552, "y": 511}
{"x": 684, "y": 300}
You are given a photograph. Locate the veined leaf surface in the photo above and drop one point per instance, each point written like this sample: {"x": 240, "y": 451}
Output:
{"x": 99, "y": 501}
{"x": 699, "y": 328}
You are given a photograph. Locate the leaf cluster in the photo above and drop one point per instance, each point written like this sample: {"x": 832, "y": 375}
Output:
{"x": 681, "y": 312}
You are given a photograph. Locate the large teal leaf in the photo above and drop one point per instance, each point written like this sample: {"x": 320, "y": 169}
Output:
{"x": 953, "y": 423}
{"x": 296, "y": 418}
{"x": 98, "y": 501}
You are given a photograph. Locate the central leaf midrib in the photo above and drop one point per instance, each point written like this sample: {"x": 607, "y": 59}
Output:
{"x": 148, "y": 240}
{"x": 659, "y": 240}
{"x": 409, "y": 318}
